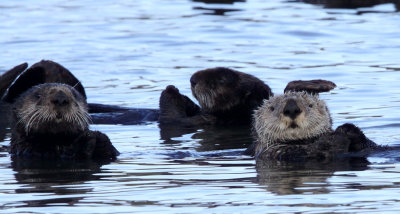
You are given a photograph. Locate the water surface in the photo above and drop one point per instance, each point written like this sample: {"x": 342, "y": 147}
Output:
{"x": 127, "y": 52}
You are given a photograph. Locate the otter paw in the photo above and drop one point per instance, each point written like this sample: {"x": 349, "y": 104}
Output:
{"x": 357, "y": 138}
{"x": 351, "y": 131}
{"x": 104, "y": 148}
{"x": 286, "y": 153}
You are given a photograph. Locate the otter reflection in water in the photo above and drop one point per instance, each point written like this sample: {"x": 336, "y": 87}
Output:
{"x": 297, "y": 125}
{"x": 350, "y": 4}
{"x": 305, "y": 177}
{"x": 226, "y": 96}
{"x": 65, "y": 179}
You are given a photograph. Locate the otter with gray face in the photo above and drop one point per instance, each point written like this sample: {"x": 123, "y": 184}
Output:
{"x": 297, "y": 126}
{"x": 226, "y": 96}
{"x": 51, "y": 121}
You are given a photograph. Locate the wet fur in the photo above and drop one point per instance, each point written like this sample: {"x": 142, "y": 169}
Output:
{"x": 308, "y": 136}
{"x": 45, "y": 71}
{"x": 42, "y": 129}
{"x": 8, "y": 77}
{"x": 35, "y": 112}
{"x": 226, "y": 96}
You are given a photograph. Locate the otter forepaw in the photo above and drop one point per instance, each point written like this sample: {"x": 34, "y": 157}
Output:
{"x": 351, "y": 131}
{"x": 285, "y": 153}
{"x": 358, "y": 140}
{"x": 104, "y": 148}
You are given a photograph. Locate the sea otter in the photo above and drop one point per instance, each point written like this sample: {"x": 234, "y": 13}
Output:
{"x": 51, "y": 121}
{"x": 19, "y": 79}
{"x": 226, "y": 96}
{"x": 297, "y": 126}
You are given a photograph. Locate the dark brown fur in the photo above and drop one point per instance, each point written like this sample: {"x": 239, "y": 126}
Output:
{"x": 9, "y": 76}
{"x": 346, "y": 139}
{"x": 226, "y": 96}
{"x": 45, "y": 71}
{"x": 311, "y": 86}
{"x": 51, "y": 121}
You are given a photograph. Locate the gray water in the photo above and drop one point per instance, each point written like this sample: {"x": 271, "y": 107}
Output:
{"x": 127, "y": 52}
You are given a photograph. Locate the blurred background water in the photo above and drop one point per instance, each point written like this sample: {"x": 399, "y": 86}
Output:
{"x": 127, "y": 52}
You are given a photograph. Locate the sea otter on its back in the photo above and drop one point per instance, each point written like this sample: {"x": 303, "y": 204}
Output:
{"x": 297, "y": 125}
{"x": 51, "y": 121}
{"x": 226, "y": 96}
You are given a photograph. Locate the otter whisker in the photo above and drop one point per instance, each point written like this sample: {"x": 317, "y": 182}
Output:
{"x": 28, "y": 125}
{"x": 77, "y": 83}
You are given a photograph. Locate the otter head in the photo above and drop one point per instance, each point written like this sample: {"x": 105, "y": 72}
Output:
{"x": 51, "y": 108}
{"x": 291, "y": 116}
{"x": 216, "y": 89}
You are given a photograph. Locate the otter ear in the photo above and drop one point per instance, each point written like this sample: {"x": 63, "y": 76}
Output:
{"x": 28, "y": 79}
{"x": 9, "y": 76}
{"x": 310, "y": 86}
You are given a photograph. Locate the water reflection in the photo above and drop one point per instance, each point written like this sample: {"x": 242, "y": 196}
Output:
{"x": 354, "y": 4}
{"x": 219, "y": 1}
{"x": 66, "y": 178}
{"x": 5, "y": 113}
{"x": 209, "y": 138}
{"x": 220, "y": 11}
{"x": 284, "y": 178}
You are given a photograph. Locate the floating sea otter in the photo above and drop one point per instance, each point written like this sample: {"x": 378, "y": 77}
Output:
{"x": 297, "y": 125}
{"x": 19, "y": 79}
{"x": 226, "y": 96}
{"x": 50, "y": 116}
{"x": 51, "y": 121}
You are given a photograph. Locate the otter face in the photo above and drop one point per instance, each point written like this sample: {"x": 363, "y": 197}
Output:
{"x": 51, "y": 108}
{"x": 216, "y": 88}
{"x": 291, "y": 116}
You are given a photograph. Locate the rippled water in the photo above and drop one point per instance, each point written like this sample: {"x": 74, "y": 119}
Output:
{"x": 127, "y": 52}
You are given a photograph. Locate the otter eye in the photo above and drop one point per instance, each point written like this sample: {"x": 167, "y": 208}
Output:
{"x": 311, "y": 105}
{"x": 271, "y": 108}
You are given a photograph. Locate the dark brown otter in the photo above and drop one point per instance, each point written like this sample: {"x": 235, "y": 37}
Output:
{"x": 17, "y": 80}
{"x": 226, "y": 96}
{"x": 51, "y": 121}
{"x": 297, "y": 125}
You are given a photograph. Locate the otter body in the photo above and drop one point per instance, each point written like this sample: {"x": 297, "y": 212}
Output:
{"x": 297, "y": 126}
{"x": 51, "y": 121}
{"x": 225, "y": 96}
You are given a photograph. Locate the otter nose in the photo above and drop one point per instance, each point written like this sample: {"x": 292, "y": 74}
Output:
{"x": 291, "y": 109}
{"x": 60, "y": 99}
{"x": 193, "y": 81}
